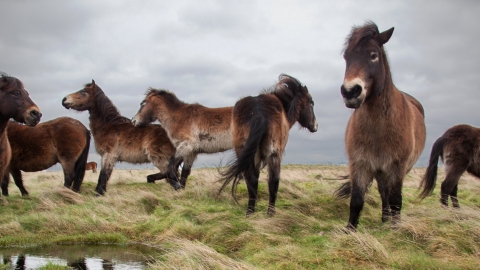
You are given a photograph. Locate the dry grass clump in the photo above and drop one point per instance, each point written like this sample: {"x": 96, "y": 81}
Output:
{"x": 359, "y": 246}
{"x": 185, "y": 254}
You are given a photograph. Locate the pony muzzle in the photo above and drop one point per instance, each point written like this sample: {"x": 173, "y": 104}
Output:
{"x": 33, "y": 116}
{"x": 353, "y": 96}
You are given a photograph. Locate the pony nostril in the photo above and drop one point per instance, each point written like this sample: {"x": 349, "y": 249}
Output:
{"x": 356, "y": 90}
{"x": 64, "y": 99}
{"x": 36, "y": 114}
{"x": 353, "y": 92}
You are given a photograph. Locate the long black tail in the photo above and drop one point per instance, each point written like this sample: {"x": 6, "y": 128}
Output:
{"x": 430, "y": 177}
{"x": 344, "y": 191}
{"x": 245, "y": 162}
{"x": 80, "y": 165}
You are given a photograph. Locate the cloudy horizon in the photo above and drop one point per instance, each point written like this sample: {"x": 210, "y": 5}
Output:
{"x": 216, "y": 52}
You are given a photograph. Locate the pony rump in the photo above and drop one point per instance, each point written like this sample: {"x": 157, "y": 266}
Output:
{"x": 245, "y": 161}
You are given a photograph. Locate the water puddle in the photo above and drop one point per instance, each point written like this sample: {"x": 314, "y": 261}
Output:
{"x": 91, "y": 257}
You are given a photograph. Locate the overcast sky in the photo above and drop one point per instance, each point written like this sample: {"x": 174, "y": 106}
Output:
{"x": 215, "y": 52}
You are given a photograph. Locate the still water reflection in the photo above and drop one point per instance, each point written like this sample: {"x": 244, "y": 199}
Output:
{"x": 80, "y": 256}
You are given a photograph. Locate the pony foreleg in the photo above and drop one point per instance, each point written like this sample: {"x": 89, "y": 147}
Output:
{"x": 186, "y": 169}
{"x": 395, "y": 200}
{"x": 105, "y": 173}
{"x": 359, "y": 184}
{"x": 384, "y": 194}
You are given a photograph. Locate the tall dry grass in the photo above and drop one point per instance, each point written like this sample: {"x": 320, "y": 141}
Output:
{"x": 197, "y": 229}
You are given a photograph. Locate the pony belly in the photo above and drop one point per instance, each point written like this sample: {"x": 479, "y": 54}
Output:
{"x": 215, "y": 144}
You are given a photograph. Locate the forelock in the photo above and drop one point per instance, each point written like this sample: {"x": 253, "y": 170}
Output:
{"x": 360, "y": 33}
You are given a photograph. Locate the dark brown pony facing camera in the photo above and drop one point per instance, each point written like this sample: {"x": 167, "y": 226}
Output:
{"x": 14, "y": 103}
{"x": 193, "y": 129}
{"x": 91, "y": 166}
{"x": 63, "y": 140}
{"x": 117, "y": 139}
{"x": 459, "y": 149}
{"x": 260, "y": 133}
{"x": 386, "y": 132}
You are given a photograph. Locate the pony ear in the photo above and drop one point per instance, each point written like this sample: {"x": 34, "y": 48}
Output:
{"x": 93, "y": 82}
{"x": 383, "y": 37}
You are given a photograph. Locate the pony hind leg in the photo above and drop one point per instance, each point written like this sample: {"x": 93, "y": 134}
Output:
{"x": 172, "y": 171}
{"x": 68, "y": 173}
{"x": 273, "y": 182}
{"x": 17, "y": 177}
{"x": 450, "y": 184}
{"x": 5, "y": 183}
{"x": 251, "y": 179}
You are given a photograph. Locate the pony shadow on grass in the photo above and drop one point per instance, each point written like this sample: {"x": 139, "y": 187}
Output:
{"x": 260, "y": 133}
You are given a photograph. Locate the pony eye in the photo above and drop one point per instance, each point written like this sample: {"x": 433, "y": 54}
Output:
{"x": 373, "y": 56}
{"x": 16, "y": 93}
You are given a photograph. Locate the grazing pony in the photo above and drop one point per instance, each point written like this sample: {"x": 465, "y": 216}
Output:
{"x": 91, "y": 166}
{"x": 459, "y": 149}
{"x": 386, "y": 132}
{"x": 192, "y": 128}
{"x": 14, "y": 103}
{"x": 260, "y": 134}
{"x": 63, "y": 140}
{"x": 116, "y": 139}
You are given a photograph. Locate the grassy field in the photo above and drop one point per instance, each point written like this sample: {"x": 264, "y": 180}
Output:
{"x": 196, "y": 229}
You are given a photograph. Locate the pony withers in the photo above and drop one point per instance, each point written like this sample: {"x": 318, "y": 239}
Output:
{"x": 386, "y": 131}
{"x": 193, "y": 129}
{"x": 459, "y": 149}
{"x": 14, "y": 103}
{"x": 260, "y": 133}
{"x": 63, "y": 140}
{"x": 116, "y": 139}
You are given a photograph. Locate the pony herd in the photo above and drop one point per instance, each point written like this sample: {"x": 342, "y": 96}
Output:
{"x": 384, "y": 137}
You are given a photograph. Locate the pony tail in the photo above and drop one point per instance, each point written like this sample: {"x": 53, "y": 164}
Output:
{"x": 430, "y": 177}
{"x": 81, "y": 163}
{"x": 344, "y": 191}
{"x": 245, "y": 161}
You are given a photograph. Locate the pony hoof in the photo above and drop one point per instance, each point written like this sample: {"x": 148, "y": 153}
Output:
{"x": 349, "y": 229}
{"x": 271, "y": 212}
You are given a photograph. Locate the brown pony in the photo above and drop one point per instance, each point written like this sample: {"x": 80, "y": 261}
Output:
{"x": 192, "y": 128}
{"x": 91, "y": 166}
{"x": 63, "y": 140}
{"x": 459, "y": 149}
{"x": 260, "y": 133}
{"x": 14, "y": 103}
{"x": 386, "y": 132}
{"x": 116, "y": 139}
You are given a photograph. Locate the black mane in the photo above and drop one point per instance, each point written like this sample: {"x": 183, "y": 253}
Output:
{"x": 108, "y": 112}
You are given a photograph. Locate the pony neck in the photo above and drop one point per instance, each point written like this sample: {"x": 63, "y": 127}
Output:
{"x": 104, "y": 112}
